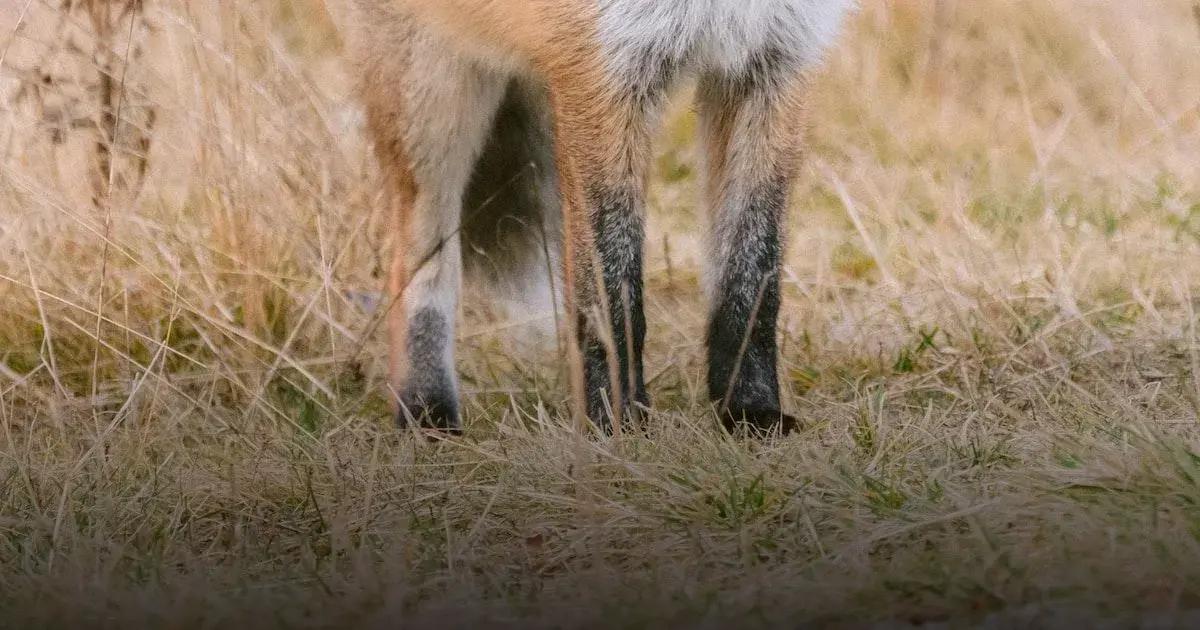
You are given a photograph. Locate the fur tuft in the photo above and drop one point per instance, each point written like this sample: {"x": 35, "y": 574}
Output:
{"x": 512, "y": 221}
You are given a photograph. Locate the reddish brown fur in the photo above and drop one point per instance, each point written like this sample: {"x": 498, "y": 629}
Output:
{"x": 556, "y": 37}
{"x": 600, "y": 135}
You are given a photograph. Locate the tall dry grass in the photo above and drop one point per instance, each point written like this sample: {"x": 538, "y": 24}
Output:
{"x": 990, "y": 330}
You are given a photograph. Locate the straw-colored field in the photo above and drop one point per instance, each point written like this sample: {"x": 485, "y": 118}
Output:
{"x": 990, "y": 330}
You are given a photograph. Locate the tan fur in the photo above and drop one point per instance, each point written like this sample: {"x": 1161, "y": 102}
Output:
{"x": 425, "y": 165}
{"x": 554, "y": 38}
{"x": 540, "y": 33}
{"x": 597, "y": 142}
{"x": 433, "y": 76}
{"x": 766, "y": 136}
{"x": 747, "y": 143}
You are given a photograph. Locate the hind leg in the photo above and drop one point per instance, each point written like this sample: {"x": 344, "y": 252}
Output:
{"x": 752, "y": 126}
{"x": 429, "y": 112}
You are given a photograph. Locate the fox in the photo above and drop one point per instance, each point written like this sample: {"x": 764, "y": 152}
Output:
{"x": 502, "y": 125}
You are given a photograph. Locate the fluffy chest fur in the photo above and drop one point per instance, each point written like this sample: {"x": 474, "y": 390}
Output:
{"x": 714, "y": 35}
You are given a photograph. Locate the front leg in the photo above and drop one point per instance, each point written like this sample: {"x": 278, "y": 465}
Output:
{"x": 752, "y": 124}
{"x": 602, "y": 147}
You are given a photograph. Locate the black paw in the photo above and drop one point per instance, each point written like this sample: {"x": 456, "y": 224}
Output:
{"x": 632, "y": 417}
{"x": 441, "y": 417}
{"x": 759, "y": 422}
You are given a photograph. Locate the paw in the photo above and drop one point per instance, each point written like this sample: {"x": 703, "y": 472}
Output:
{"x": 437, "y": 417}
{"x": 759, "y": 422}
{"x": 632, "y": 417}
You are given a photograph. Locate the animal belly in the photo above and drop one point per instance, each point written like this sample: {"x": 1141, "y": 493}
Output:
{"x": 724, "y": 35}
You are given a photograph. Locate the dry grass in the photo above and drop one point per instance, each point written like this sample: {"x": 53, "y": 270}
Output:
{"x": 991, "y": 330}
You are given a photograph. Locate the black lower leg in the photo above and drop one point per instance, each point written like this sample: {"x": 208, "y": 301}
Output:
{"x": 742, "y": 347}
{"x": 617, "y": 341}
{"x": 428, "y": 398}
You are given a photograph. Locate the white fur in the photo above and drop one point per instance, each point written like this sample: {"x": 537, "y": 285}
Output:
{"x": 716, "y": 35}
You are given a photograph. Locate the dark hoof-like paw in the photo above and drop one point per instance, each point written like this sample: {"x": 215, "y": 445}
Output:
{"x": 635, "y": 420}
{"x": 432, "y": 420}
{"x": 632, "y": 419}
{"x": 759, "y": 422}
